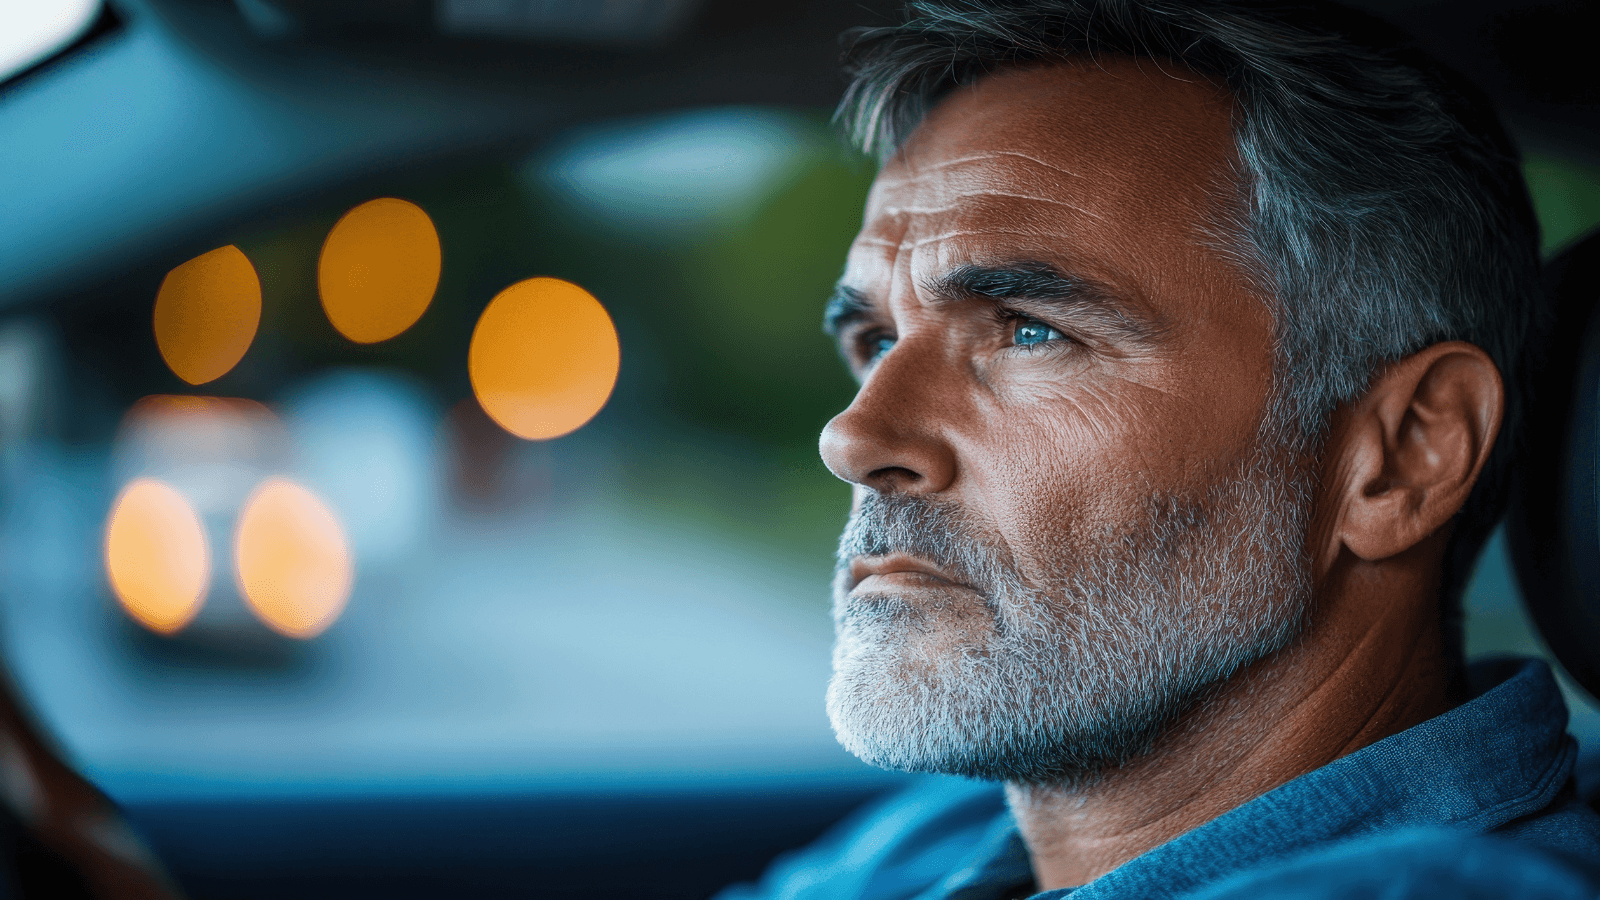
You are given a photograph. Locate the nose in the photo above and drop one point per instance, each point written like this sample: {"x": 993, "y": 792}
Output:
{"x": 893, "y": 437}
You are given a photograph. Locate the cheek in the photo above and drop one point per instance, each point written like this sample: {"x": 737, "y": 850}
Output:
{"x": 1057, "y": 469}
{"x": 1080, "y": 465}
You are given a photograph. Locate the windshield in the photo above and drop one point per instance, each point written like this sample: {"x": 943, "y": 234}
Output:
{"x": 636, "y": 593}
{"x": 290, "y": 537}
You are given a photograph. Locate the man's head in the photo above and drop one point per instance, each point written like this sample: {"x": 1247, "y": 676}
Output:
{"x": 1123, "y": 264}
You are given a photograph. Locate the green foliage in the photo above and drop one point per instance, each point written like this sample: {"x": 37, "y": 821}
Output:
{"x": 759, "y": 364}
{"x": 1566, "y": 196}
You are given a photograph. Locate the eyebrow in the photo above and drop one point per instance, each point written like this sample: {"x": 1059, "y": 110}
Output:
{"x": 845, "y": 306}
{"x": 1043, "y": 283}
{"x": 1027, "y": 281}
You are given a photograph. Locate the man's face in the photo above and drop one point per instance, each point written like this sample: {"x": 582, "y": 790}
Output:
{"x": 1067, "y": 521}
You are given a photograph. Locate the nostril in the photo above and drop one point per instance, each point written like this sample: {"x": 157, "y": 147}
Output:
{"x": 892, "y": 478}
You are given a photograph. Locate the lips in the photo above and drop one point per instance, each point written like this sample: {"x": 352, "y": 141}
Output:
{"x": 899, "y": 568}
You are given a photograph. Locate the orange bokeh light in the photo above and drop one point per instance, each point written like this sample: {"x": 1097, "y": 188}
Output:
{"x": 207, "y": 312}
{"x": 156, "y": 555}
{"x": 544, "y": 358}
{"x": 294, "y": 564}
{"x": 379, "y": 269}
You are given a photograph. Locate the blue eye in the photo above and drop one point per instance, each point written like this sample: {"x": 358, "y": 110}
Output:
{"x": 1032, "y": 332}
{"x": 881, "y": 346}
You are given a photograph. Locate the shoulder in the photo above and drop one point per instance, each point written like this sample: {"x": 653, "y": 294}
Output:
{"x": 894, "y": 847}
{"x": 1568, "y": 826}
{"x": 1421, "y": 864}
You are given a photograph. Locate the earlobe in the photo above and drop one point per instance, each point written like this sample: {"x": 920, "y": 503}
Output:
{"x": 1409, "y": 450}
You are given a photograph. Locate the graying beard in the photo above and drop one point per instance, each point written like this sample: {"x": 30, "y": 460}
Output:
{"x": 1080, "y": 675}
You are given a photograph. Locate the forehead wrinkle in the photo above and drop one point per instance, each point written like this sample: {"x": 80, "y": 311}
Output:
{"x": 954, "y": 204}
{"x": 914, "y": 243}
{"x": 935, "y": 192}
{"x": 988, "y": 156}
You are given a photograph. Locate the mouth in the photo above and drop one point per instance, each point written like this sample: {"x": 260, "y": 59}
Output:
{"x": 898, "y": 570}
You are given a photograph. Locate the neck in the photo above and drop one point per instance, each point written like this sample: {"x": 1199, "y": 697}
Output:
{"x": 1369, "y": 665}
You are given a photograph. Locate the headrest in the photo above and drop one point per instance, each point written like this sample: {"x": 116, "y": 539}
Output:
{"x": 1553, "y": 525}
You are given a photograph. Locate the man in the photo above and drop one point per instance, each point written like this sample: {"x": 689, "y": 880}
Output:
{"x": 1185, "y": 332}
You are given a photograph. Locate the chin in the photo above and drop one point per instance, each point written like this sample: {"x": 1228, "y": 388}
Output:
{"x": 965, "y": 713}
{"x": 1057, "y": 684}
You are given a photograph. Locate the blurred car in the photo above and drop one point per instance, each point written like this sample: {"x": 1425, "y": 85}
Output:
{"x": 580, "y": 655}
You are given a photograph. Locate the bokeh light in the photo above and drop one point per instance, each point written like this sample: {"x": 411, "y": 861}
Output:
{"x": 294, "y": 564}
{"x": 156, "y": 555}
{"x": 671, "y": 178}
{"x": 379, "y": 269}
{"x": 366, "y": 442}
{"x": 34, "y": 30}
{"x": 213, "y": 450}
{"x": 207, "y": 312}
{"x": 544, "y": 358}
{"x": 192, "y": 428}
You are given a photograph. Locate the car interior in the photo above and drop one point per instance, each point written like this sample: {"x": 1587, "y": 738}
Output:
{"x": 304, "y": 589}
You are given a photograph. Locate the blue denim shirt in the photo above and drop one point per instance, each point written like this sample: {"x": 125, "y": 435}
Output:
{"x": 1404, "y": 817}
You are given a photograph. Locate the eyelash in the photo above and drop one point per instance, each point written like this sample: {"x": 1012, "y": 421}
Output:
{"x": 1010, "y": 318}
{"x": 867, "y": 345}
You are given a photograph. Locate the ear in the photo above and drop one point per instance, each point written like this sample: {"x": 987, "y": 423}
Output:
{"x": 1405, "y": 456}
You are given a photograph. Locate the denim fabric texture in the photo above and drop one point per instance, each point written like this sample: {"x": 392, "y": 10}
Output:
{"x": 1417, "y": 864}
{"x": 1478, "y": 797}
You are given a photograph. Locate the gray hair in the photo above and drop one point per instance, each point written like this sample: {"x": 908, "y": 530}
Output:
{"x": 1384, "y": 204}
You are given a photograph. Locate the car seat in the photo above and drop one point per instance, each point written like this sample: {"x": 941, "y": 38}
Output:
{"x": 1553, "y": 524}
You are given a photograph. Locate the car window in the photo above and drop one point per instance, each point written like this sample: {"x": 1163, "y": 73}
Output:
{"x": 398, "y": 591}
{"x": 333, "y": 564}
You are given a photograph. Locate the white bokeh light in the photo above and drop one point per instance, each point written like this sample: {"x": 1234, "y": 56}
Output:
{"x": 680, "y": 172}
{"x": 32, "y": 30}
{"x": 365, "y": 442}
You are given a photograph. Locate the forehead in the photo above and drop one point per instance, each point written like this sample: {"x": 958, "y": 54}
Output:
{"x": 1113, "y": 165}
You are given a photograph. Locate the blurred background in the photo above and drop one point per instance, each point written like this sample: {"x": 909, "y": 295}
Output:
{"x": 321, "y": 591}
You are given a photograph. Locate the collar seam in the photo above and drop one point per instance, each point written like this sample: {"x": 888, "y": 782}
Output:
{"x": 1539, "y": 796}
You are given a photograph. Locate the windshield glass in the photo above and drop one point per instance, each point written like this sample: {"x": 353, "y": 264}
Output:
{"x": 296, "y": 510}
{"x": 334, "y": 561}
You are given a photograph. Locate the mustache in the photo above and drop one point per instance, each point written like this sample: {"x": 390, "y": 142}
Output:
{"x": 936, "y": 532}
